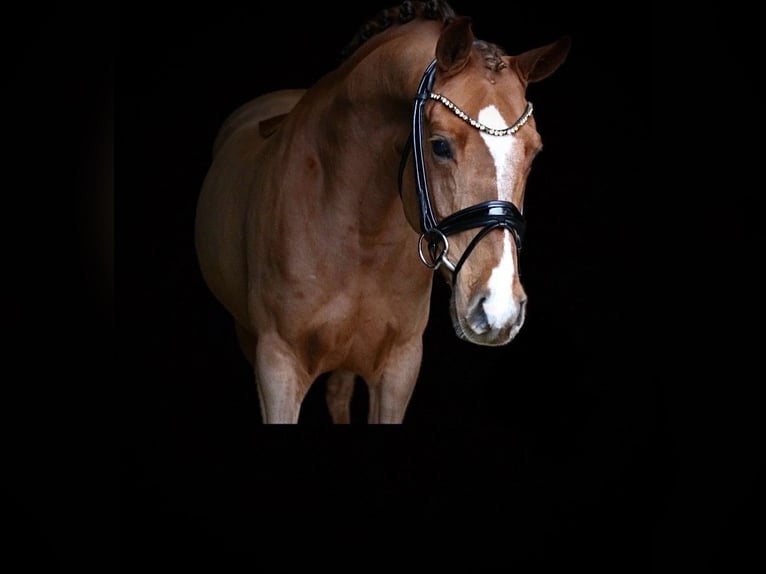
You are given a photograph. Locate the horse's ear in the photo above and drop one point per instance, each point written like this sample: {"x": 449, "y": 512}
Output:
{"x": 454, "y": 46}
{"x": 539, "y": 63}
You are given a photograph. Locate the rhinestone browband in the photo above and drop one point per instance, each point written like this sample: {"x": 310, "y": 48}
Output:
{"x": 480, "y": 126}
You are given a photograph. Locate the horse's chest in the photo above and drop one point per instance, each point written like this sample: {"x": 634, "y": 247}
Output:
{"x": 357, "y": 333}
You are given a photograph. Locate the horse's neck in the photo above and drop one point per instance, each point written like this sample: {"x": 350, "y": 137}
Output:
{"x": 368, "y": 115}
{"x": 393, "y": 62}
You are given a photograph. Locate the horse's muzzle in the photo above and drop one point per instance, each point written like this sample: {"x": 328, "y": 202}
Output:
{"x": 488, "y": 322}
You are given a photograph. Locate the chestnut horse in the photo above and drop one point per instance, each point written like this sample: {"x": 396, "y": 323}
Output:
{"x": 326, "y": 211}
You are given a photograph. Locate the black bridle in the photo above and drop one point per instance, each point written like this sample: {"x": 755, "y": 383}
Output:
{"x": 486, "y": 216}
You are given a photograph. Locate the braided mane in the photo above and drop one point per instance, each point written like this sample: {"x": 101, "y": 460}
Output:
{"x": 408, "y": 10}
{"x": 438, "y": 10}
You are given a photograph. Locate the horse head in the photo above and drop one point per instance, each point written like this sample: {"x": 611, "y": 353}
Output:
{"x": 473, "y": 142}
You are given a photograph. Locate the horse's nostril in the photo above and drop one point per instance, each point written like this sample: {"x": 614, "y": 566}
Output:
{"x": 477, "y": 317}
{"x": 522, "y": 311}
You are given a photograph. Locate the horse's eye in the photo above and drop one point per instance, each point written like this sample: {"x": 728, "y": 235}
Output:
{"x": 441, "y": 149}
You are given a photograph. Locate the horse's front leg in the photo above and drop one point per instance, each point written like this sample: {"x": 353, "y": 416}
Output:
{"x": 391, "y": 391}
{"x": 282, "y": 381}
{"x": 340, "y": 389}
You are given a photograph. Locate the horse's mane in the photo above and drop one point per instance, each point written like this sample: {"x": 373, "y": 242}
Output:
{"x": 438, "y": 10}
{"x": 408, "y": 10}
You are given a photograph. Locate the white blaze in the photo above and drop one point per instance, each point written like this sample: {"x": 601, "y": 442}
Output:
{"x": 506, "y": 152}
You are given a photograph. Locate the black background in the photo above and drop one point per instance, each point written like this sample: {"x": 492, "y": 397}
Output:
{"x": 578, "y": 444}
{"x": 615, "y": 432}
